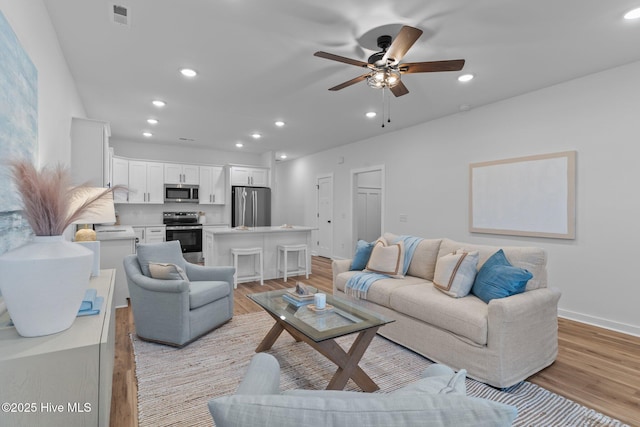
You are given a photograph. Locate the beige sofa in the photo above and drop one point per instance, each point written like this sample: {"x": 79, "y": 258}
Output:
{"x": 500, "y": 343}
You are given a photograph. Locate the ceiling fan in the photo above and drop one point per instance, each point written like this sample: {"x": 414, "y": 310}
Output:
{"x": 385, "y": 69}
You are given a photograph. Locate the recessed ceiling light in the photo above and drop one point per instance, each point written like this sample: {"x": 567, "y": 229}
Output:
{"x": 632, "y": 14}
{"x": 159, "y": 103}
{"x": 279, "y": 123}
{"x": 239, "y": 144}
{"x": 371, "y": 114}
{"x": 188, "y": 72}
{"x": 152, "y": 121}
{"x": 147, "y": 134}
{"x": 283, "y": 156}
{"x": 465, "y": 77}
{"x": 256, "y": 135}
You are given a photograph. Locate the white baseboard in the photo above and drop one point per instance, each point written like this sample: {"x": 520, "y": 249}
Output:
{"x": 600, "y": 322}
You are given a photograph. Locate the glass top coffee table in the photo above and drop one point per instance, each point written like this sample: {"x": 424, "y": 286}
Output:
{"x": 320, "y": 328}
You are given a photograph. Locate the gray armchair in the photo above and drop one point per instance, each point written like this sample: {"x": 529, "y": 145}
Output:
{"x": 176, "y": 311}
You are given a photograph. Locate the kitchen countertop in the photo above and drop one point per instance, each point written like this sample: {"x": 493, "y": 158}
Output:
{"x": 271, "y": 229}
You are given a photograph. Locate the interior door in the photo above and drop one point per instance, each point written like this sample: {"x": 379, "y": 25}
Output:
{"x": 369, "y": 207}
{"x": 325, "y": 216}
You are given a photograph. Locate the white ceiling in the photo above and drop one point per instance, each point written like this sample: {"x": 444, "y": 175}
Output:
{"x": 256, "y": 65}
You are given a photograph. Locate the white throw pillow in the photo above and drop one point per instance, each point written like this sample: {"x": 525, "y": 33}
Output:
{"x": 456, "y": 272}
{"x": 387, "y": 259}
{"x": 166, "y": 271}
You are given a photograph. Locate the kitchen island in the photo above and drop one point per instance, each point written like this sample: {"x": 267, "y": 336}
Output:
{"x": 217, "y": 245}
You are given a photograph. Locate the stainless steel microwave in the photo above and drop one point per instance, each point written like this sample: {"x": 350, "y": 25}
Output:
{"x": 180, "y": 193}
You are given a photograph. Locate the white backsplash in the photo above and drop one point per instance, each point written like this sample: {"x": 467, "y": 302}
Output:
{"x": 152, "y": 214}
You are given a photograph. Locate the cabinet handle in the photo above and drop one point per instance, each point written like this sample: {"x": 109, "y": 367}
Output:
{"x": 143, "y": 238}
{"x": 214, "y": 198}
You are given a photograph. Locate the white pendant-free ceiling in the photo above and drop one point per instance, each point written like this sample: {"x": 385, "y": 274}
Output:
{"x": 255, "y": 63}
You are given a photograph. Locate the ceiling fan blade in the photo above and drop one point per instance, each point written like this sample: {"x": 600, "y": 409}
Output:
{"x": 399, "y": 89}
{"x": 343, "y": 59}
{"x": 401, "y": 44}
{"x": 350, "y": 82}
{"x": 431, "y": 66}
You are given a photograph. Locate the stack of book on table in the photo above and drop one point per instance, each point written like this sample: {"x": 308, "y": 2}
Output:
{"x": 298, "y": 300}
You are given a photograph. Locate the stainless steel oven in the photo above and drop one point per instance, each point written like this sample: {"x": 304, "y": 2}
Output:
{"x": 183, "y": 226}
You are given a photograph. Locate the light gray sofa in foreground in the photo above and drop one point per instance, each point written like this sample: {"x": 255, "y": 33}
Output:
{"x": 500, "y": 343}
{"x": 438, "y": 399}
{"x": 176, "y": 310}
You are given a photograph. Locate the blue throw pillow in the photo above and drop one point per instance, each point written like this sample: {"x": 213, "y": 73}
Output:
{"x": 363, "y": 253}
{"x": 498, "y": 279}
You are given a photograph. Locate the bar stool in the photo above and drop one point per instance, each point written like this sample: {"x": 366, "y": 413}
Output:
{"x": 253, "y": 252}
{"x": 299, "y": 268}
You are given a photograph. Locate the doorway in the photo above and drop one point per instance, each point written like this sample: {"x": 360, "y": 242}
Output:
{"x": 324, "y": 242}
{"x": 367, "y": 203}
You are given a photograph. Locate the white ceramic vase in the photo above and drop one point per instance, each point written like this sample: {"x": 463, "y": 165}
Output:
{"x": 43, "y": 283}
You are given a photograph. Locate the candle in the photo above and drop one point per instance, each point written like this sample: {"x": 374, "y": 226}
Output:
{"x": 320, "y": 301}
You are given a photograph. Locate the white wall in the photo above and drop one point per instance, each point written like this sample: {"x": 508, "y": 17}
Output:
{"x": 427, "y": 179}
{"x": 58, "y": 98}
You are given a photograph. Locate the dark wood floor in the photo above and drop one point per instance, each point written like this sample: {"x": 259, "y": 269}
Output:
{"x": 595, "y": 367}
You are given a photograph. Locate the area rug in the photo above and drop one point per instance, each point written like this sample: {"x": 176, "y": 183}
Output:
{"x": 174, "y": 385}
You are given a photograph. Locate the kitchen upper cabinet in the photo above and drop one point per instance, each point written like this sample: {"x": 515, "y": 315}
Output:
{"x": 146, "y": 182}
{"x": 90, "y": 152}
{"x": 175, "y": 173}
{"x": 212, "y": 185}
{"x": 120, "y": 176}
{"x": 256, "y": 177}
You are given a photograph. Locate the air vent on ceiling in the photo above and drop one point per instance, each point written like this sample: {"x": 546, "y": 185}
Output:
{"x": 119, "y": 14}
{"x": 186, "y": 139}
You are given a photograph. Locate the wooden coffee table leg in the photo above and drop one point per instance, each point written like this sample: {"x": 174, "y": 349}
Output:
{"x": 270, "y": 338}
{"x": 348, "y": 362}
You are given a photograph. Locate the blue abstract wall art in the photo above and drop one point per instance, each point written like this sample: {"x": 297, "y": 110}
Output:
{"x": 18, "y": 130}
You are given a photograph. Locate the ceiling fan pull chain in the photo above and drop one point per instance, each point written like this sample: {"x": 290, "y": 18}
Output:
{"x": 389, "y": 109}
{"x": 382, "y": 107}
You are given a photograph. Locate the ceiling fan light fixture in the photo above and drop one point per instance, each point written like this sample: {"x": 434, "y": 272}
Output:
{"x": 465, "y": 78}
{"x": 384, "y": 77}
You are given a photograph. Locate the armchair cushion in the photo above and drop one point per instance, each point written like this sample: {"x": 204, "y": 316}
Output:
{"x": 166, "y": 271}
{"x": 165, "y": 252}
{"x": 203, "y": 293}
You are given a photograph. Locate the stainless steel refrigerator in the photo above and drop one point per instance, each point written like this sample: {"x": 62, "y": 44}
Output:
{"x": 250, "y": 206}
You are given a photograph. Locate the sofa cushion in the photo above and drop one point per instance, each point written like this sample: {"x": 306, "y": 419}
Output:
{"x": 456, "y": 272}
{"x": 410, "y": 410}
{"x": 387, "y": 258}
{"x": 166, "y": 271}
{"x": 205, "y": 292}
{"x": 465, "y": 317}
{"x": 530, "y": 258}
{"x": 500, "y": 281}
{"x": 425, "y": 256}
{"x": 380, "y": 291}
{"x": 362, "y": 255}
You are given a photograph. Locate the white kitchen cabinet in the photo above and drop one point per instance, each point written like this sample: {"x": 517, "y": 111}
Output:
{"x": 112, "y": 252}
{"x": 120, "y": 176}
{"x": 155, "y": 234}
{"x": 90, "y": 152}
{"x": 146, "y": 182}
{"x": 212, "y": 189}
{"x": 176, "y": 173}
{"x": 254, "y": 176}
{"x": 150, "y": 234}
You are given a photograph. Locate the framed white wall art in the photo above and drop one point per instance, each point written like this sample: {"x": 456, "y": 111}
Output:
{"x": 525, "y": 196}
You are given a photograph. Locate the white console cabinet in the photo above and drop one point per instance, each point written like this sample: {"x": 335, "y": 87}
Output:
{"x": 63, "y": 379}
